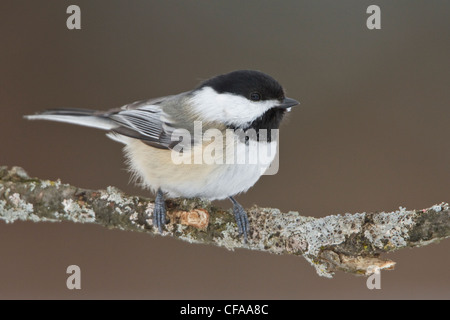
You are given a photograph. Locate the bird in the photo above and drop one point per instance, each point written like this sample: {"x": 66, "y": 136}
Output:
{"x": 165, "y": 138}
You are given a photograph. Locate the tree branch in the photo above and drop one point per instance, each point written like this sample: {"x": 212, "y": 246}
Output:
{"x": 350, "y": 242}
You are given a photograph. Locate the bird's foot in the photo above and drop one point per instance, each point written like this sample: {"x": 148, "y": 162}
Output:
{"x": 241, "y": 219}
{"x": 159, "y": 213}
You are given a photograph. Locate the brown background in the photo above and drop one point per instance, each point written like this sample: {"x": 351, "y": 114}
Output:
{"x": 372, "y": 133}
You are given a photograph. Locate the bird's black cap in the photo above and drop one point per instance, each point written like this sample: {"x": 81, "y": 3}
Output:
{"x": 246, "y": 83}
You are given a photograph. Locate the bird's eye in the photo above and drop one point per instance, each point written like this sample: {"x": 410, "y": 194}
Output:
{"x": 255, "y": 96}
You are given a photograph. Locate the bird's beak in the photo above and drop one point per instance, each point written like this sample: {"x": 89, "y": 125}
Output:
{"x": 287, "y": 103}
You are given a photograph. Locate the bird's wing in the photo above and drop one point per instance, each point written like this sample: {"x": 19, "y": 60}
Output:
{"x": 147, "y": 121}
{"x": 153, "y": 121}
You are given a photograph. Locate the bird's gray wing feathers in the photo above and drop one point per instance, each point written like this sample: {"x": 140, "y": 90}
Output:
{"x": 145, "y": 120}
{"x": 150, "y": 120}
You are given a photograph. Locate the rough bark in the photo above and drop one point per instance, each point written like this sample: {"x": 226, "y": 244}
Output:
{"x": 350, "y": 242}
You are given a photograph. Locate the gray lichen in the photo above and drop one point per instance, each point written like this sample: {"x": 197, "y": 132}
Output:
{"x": 114, "y": 195}
{"x": 330, "y": 230}
{"x": 75, "y": 212}
{"x": 390, "y": 228}
{"x": 18, "y": 209}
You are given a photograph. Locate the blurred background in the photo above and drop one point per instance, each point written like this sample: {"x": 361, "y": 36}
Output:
{"x": 371, "y": 134}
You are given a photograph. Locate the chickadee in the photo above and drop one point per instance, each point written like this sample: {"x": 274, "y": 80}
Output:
{"x": 240, "y": 101}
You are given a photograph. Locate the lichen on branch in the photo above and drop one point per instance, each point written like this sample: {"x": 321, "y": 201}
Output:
{"x": 349, "y": 242}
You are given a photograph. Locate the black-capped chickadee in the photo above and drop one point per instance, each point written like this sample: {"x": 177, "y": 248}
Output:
{"x": 162, "y": 142}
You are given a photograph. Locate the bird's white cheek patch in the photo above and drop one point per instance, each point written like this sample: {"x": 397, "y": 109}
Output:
{"x": 228, "y": 108}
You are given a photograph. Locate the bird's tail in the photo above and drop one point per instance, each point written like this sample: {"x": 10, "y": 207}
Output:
{"x": 82, "y": 117}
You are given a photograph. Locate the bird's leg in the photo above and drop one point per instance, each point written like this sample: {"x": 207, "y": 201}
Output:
{"x": 159, "y": 213}
{"x": 241, "y": 218}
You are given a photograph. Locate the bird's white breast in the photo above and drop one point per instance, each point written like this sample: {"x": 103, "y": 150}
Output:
{"x": 156, "y": 169}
